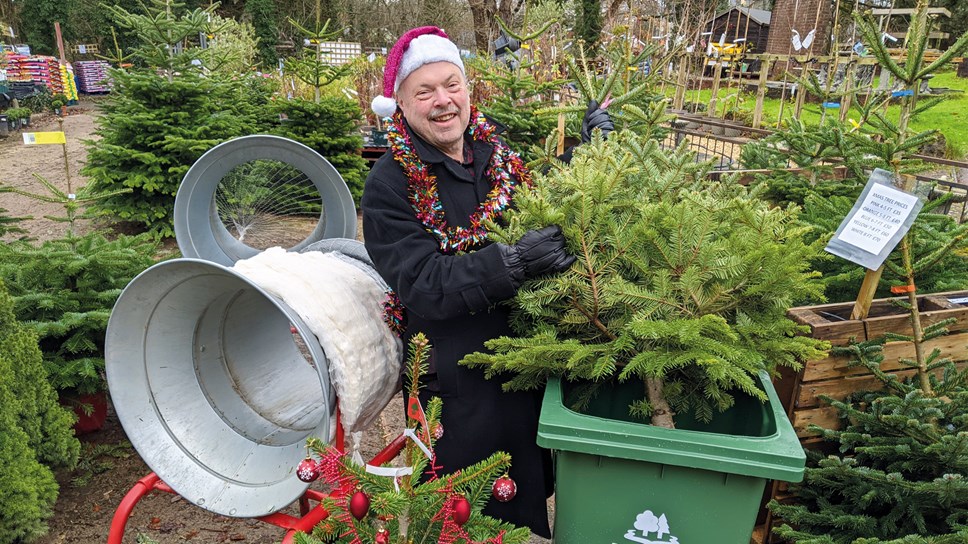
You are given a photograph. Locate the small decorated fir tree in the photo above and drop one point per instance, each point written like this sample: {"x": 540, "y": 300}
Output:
{"x": 679, "y": 283}
{"x": 379, "y": 505}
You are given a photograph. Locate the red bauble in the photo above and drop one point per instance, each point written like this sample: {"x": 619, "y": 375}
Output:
{"x": 382, "y": 537}
{"x": 462, "y": 510}
{"x": 308, "y": 470}
{"x": 438, "y": 431}
{"x": 359, "y": 505}
{"x": 504, "y": 489}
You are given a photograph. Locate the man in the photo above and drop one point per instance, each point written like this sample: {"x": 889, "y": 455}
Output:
{"x": 424, "y": 205}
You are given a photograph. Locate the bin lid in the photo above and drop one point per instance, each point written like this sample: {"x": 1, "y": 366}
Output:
{"x": 774, "y": 454}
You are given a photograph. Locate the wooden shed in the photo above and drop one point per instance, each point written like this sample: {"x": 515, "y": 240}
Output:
{"x": 737, "y": 23}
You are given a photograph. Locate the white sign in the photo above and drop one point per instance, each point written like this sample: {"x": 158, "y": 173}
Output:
{"x": 879, "y": 217}
{"x": 875, "y": 225}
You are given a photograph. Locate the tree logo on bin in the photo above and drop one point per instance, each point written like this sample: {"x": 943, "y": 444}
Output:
{"x": 648, "y": 525}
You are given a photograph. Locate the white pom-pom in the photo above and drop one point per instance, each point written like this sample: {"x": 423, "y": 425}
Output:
{"x": 384, "y": 106}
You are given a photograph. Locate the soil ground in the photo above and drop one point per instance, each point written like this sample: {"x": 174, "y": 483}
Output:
{"x": 90, "y": 495}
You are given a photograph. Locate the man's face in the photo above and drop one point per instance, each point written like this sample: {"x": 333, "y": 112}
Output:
{"x": 435, "y": 102}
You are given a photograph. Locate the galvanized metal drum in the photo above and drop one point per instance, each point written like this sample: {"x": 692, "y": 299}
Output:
{"x": 201, "y": 232}
{"x": 213, "y": 389}
{"x": 216, "y": 382}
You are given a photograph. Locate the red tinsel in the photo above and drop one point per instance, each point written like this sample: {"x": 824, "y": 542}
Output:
{"x": 505, "y": 172}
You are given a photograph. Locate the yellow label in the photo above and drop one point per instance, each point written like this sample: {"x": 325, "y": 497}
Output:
{"x": 41, "y": 138}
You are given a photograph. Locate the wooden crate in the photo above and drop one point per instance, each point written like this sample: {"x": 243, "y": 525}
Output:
{"x": 799, "y": 391}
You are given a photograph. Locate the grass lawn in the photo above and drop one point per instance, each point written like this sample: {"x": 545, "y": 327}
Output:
{"x": 948, "y": 117}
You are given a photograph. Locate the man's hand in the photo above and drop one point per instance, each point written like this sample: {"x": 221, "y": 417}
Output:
{"x": 595, "y": 117}
{"x": 537, "y": 253}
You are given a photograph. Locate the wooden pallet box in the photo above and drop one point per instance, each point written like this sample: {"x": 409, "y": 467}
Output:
{"x": 800, "y": 391}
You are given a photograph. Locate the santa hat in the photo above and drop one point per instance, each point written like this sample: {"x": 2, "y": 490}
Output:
{"x": 414, "y": 49}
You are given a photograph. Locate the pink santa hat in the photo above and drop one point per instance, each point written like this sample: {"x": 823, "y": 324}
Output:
{"x": 415, "y": 48}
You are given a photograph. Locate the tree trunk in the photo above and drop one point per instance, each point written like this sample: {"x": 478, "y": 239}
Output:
{"x": 661, "y": 412}
{"x": 482, "y": 12}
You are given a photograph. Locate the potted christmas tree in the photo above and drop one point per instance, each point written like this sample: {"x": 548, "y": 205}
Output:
{"x": 674, "y": 314}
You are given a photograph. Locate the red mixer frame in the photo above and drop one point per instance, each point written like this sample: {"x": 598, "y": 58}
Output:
{"x": 308, "y": 517}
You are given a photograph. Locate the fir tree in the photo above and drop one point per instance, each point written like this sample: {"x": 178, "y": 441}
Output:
{"x": 327, "y": 126}
{"x": 935, "y": 239}
{"x": 35, "y": 433}
{"x": 588, "y": 22}
{"x": 325, "y": 123}
{"x": 680, "y": 284}
{"x": 159, "y": 121}
{"x": 521, "y": 84}
{"x": 264, "y": 16}
{"x": 899, "y": 475}
{"x": 411, "y": 507}
{"x": 874, "y": 139}
{"x": 167, "y": 34}
{"x": 309, "y": 65}
{"x": 152, "y": 131}
{"x": 64, "y": 289}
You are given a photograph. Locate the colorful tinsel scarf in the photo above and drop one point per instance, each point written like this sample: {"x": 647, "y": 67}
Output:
{"x": 505, "y": 172}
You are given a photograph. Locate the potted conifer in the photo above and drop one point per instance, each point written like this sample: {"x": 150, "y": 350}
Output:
{"x": 63, "y": 290}
{"x": 674, "y": 315}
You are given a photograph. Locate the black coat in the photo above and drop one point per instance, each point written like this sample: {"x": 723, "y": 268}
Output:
{"x": 453, "y": 300}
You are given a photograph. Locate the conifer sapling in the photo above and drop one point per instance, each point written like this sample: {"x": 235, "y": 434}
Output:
{"x": 680, "y": 283}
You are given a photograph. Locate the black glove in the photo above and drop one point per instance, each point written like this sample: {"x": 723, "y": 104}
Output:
{"x": 537, "y": 253}
{"x": 595, "y": 117}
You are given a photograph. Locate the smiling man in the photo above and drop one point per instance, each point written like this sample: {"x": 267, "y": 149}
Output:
{"x": 425, "y": 205}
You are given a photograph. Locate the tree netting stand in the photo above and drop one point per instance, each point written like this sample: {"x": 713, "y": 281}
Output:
{"x": 309, "y": 514}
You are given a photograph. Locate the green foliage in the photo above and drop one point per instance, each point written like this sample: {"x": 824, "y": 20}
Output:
{"x": 167, "y": 34}
{"x": 308, "y": 65}
{"x": 35, "y": 431}
{"x": 915, "y": 67}
{"x": 875, "y": 142}
{"x": 231, "y": 47}
{"x": 588, "y": 22}
{"x": 37, "y": 19}
{"x": 39, "y": 102}
{"x": 18, "y": 113}
{"x": 58, "y": 101}
{"x": 328, "y": 126}
{"x": 677, "y": 280}
{"x": 899, "y": 473}
{"x": 784, "y": 188}
{"x": 938, "y": 245}
{"x": 265, "y": 20}
{"x": 152, "y": 131}
{"x": 522, "y": 87}
{"x": 98, "y": 458}
{"x": 64, "y": 290}
{"x": 10, "y": 225}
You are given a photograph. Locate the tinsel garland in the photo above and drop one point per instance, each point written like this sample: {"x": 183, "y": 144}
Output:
{"x": 393, "y": 313}
{"x": 505, "y": 172}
